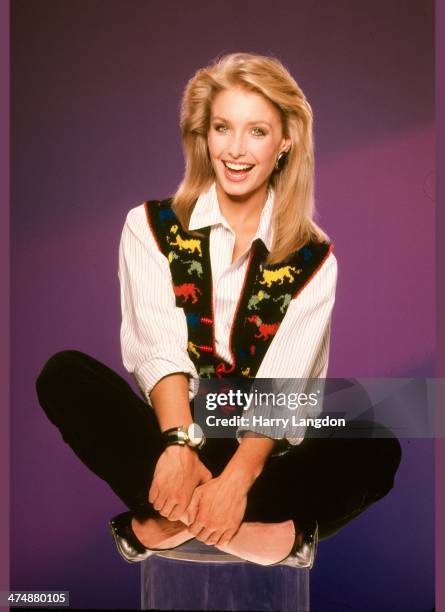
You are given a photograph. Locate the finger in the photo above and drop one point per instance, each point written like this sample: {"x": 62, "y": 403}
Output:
{"x": 159, "y": 502}
{"x": 206, "y": 476}
{"x": 204, "y": 535}
{"x": 177, "y": 512}
{"x": 225, "y": 538}
{"x": 183, "y": 517}
{"x": 192, "y": 510}
{"x": 167, "y": 508}
{"x": 153, "y": 493}
{"x": 214, "y": 537}
{"x": 196, "y": 528}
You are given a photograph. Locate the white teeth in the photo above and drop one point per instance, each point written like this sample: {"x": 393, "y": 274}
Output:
{"x": 233, "y": 166}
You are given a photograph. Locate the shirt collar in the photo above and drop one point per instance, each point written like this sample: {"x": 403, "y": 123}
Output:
{"x": 207, "y": 213}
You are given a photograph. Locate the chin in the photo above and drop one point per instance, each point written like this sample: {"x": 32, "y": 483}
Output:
{"x": 238, "y": 190}
{"x": 238, "y": 193}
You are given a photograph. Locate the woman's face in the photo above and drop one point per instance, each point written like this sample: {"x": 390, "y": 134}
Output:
{"x": 244, "y": 140}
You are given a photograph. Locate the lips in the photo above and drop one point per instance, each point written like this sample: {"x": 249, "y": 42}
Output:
{"x": 235, "y": 171}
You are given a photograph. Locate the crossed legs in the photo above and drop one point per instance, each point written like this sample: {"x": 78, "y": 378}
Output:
{"x": 113, "y": 431}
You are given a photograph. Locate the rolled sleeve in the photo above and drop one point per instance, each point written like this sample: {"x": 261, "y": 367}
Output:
{"x": 148, "y": 374}
{"x": 297, "y": 358}
{"x": 154, "y": 330}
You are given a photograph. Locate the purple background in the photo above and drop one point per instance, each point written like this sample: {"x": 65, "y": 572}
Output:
{"x": 4, "y": 301}
{"x": 95, "y": 94}
{"x": 440, "y": 304}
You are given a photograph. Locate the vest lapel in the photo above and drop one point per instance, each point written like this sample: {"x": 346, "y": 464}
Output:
{"x": 189, "y": 260}
{"x": 271, "y": 288}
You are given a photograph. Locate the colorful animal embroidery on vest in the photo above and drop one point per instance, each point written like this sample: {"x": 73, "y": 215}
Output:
{"x": 192, "y": 348}
{"x": 206, "y": 371}
{"x": 184, "y": 244}
{"x": 279, "y": 276}
{"x": 194, "y": 268}
{"x": 256, "y": 299}
{"x": 285, "y": 299}
{"x": 265, "y": 330}
{"x": 187, "y": 291}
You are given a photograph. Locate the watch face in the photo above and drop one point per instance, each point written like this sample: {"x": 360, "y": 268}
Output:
{"x": 195, "y": 434}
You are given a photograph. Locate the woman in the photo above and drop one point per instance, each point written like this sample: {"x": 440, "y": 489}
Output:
{"x": 232, "y": 277}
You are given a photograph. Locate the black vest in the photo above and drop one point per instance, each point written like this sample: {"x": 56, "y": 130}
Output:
{"x": 262, "y": 305}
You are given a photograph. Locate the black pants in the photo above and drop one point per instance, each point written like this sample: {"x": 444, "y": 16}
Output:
{"x": 113, "y": 431}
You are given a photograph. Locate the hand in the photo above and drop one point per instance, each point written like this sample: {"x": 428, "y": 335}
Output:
{"x": 177, "y": 474}
{"x": 217, "y": 509}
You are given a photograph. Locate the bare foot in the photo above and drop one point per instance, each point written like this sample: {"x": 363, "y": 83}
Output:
{"x": 262, "y": 543}
{"x": 160, "y": 532}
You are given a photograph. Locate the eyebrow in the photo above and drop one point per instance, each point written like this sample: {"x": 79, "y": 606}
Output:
{"x": 218, "y": 118}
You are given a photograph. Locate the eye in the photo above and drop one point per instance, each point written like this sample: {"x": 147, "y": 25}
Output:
{"x": 221, "y": 128}
{"x": 257, "y": 131}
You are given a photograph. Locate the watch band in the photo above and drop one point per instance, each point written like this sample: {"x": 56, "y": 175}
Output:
{"x": 175, "y": 435}
{"x": 180, "y": 435}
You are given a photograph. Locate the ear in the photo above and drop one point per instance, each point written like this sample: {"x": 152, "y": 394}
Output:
{"x": 285, "y": 145}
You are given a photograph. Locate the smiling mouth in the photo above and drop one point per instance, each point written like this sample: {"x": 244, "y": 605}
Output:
{"x": 238, "y": 168}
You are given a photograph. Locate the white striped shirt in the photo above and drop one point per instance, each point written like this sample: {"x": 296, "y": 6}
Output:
{"x": 154, "y": 330}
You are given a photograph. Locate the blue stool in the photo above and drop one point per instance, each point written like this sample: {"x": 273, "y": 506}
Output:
{"x": 195, "y": 576}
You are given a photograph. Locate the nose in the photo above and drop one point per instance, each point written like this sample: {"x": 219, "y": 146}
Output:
{"x": 237, "y": 145}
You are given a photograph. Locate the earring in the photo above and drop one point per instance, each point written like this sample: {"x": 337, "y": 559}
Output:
{"x": 280, "y": 160}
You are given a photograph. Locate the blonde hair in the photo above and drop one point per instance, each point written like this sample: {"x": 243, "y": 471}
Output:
{"x": 292, "y": 220}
